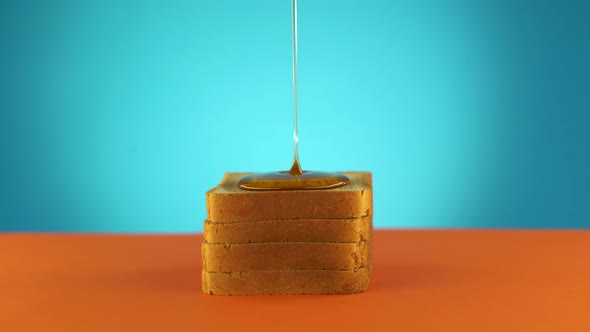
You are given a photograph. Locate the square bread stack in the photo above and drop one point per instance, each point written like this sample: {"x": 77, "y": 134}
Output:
{"x": 288, "y": 242}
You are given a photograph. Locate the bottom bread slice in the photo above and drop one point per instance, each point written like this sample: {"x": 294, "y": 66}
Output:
{"x": 286, "y": 282}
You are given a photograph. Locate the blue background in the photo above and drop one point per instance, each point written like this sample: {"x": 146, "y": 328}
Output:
{"x": 118, "y": 115}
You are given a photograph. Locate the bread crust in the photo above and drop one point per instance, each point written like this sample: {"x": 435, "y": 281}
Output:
{"x": 290, "y": 282}
{"x": 228, "y": 203}
{"x": 290, "y": 230}
{"x": 284, "y": 256}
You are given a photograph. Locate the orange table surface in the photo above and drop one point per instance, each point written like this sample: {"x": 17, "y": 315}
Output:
{"x": 448, "y": 280}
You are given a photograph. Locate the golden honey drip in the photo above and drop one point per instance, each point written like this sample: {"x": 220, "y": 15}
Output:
{"x": 295, "y": 178}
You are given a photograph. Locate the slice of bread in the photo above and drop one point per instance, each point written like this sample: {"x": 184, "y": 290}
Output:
{"x": 227, "y": 203}
{"x": 284, "y": 256}
{"x": 290, "y": 282}
{"x": 290, "y": 230}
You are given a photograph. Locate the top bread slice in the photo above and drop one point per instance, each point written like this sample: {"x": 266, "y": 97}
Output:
{"x": 227, "y": 203}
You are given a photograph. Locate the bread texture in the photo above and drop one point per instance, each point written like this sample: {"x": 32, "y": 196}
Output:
{"x": 228, "y": 203}
{"x": 291, "y": 282}
{"x": 289, "y": 230}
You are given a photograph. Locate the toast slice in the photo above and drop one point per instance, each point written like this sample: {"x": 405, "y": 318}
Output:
{"x": 290, "y": 282}
{"x": 284, "y": 256}
{"x": 292, "y": 230}
{"x": 227, "y": 203}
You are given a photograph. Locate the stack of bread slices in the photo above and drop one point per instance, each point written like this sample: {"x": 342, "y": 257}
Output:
{"x": 288, "y": 242}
